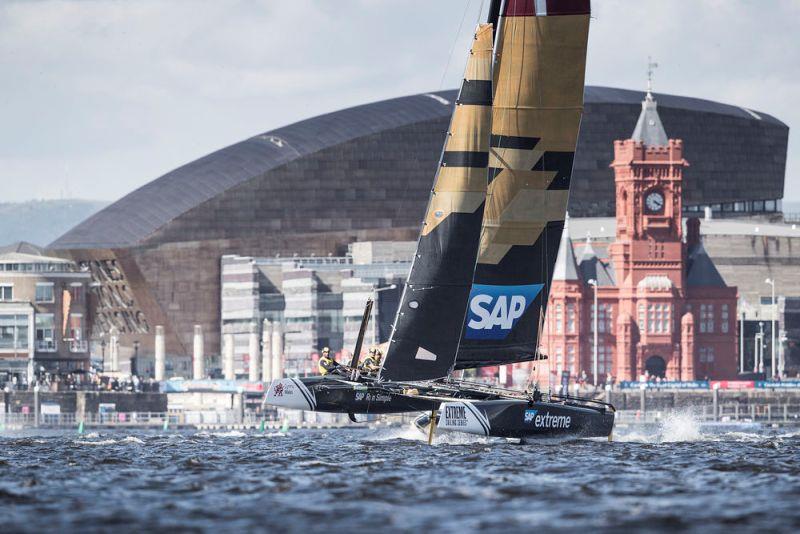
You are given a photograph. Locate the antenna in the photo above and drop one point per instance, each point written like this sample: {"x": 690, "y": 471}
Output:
{"x": 651, "y": 66}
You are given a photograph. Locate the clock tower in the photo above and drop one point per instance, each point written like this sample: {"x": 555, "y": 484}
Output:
{"x": 660, "y": 306}
{"x": 648, "y": 253}
{"x": 648, "y": 170}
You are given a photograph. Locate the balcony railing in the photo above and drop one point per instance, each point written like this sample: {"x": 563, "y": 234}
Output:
{"x": 78, "y": 345}
{"x": 46, "y": 345}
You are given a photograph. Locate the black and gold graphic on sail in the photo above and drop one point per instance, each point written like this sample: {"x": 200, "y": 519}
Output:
{"x": 431, "y": 314}
{"x": 536, "y": 114}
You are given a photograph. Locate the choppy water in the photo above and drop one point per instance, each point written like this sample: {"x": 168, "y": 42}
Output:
{"x": 672, "y": 478}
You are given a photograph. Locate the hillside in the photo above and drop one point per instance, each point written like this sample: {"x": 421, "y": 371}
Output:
{"x": 42, "y": 221}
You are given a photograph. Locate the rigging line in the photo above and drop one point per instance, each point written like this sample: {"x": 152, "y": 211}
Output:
{"x": 455, "y": 42}
{"x": 404, "y": 196}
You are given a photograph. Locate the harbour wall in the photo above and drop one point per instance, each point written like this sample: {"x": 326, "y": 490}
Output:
{"x": 649, "y": 399}
{"x": 83, "y": 402}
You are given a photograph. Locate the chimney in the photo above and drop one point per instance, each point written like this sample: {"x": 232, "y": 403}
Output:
{"x": 692, "y": 233}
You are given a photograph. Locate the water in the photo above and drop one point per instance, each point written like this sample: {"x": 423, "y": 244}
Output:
{"x": 676, "y": 477}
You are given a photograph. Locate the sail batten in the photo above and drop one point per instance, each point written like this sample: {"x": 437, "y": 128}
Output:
{"x": 537, "y": 106}
{"x": 430, "y": 318}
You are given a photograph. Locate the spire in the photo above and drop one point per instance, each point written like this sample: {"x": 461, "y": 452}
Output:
{"x": 588, "y": 251}
{"x": 566, "y": 268}
{"x": 649, "y": 129}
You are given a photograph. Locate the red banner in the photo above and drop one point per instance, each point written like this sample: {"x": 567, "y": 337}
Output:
{"x": 733, "y": 384}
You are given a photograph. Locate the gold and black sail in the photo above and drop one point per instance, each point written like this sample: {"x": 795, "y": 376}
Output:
{"x": 536, "y": 113}
{"x": 428, "y": 325}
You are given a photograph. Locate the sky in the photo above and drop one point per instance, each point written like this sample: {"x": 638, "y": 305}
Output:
{"x": 99, "y": 97}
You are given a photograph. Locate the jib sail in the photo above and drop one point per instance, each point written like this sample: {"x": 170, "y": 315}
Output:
{"x": 536, "y": 114}
{"x": 428, "y": 323}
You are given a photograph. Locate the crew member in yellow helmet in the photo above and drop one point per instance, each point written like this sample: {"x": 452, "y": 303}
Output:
{"x": 326, "y": 363}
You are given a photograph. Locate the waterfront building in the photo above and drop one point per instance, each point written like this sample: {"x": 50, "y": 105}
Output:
{"x": 652, "y": 300}
{"x": 315, "y": 302}
{"x": 44, "y": 318}
{"x": 363, "y": 174}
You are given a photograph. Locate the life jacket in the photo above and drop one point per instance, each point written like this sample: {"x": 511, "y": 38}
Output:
{"x": 368, "y": 363}
{"x": 326, "y": 365}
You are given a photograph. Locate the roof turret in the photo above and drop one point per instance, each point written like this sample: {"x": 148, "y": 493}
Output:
{"x": 566, "y": 268}
{"x": 702, "y": 271}
{"x": 649, "y": 129}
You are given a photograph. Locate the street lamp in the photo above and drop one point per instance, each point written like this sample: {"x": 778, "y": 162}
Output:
{"x": 593, "y": 283}
{"x": 771, "y": 282}
{"x": 760, "y": 353}
{"x": 741, "y": 335}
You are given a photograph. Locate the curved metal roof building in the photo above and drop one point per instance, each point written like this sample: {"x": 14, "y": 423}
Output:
{"x": 365, "y": 173}
{"x": 729, "y": 148}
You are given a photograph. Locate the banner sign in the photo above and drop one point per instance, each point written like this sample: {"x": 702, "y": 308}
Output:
{"x": 778, "y": 384}
{"x": 733, "y": 384}
{"x": 687, "y": 384}
{"x": 222, "y": 386}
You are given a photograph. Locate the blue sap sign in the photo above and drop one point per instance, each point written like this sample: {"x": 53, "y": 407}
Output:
{"x": 494, "y": 310}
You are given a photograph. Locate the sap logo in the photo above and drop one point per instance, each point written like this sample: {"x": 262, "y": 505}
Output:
{"x": 494, "y": 310}
{"x": 529, "y": 415}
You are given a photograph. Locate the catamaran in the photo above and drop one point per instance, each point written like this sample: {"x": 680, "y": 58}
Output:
{"x": 478, "y": 287}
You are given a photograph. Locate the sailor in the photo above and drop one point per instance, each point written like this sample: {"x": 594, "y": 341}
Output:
{"x": 378, "y": 359}
{"x": 372, "y": 363}
{"x": 326, "y": 363}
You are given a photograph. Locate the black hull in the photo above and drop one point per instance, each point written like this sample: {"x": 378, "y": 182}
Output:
{"x": 337, "y": 395}
{"x": 511, "y": 418}
{"x": 484, "y": 412}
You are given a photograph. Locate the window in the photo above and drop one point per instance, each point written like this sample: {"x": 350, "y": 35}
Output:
{"x": 7, "y": 292}
{"x": 707, "y": 355}
{"x": 641, "y": 317}
{"x": 604, "y": 319}
{"x": 724, "y": 319}
{"x": 44, "y": 292}
{"x": 45, "y": 332}
{"x": 659, "y": 318}
{"x": 559, "y": 319}
{"x": 604, "y": 357}
{"x": 76, "y": 326}
{"x": 76, "y": 341}
{"x": 706, "y": 318}
{"x": 570, "y": 318}
{"x": 559, "y": 357}
{"x": 571, "y": 356}
{"x": 76, "y": 291}
{"x": 13, "y": 332}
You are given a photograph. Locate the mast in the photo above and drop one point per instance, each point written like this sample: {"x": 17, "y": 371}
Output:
{"x": 429, "y": 321}
{"x": 537, "y": 106}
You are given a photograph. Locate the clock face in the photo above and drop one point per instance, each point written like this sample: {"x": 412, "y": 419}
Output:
{"x": 654, "y": 201}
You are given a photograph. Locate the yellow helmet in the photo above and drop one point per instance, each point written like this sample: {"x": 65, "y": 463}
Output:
{"x": 326, "y": 350}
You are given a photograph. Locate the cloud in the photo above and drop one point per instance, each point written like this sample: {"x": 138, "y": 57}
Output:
{"x": 108, "y": 95}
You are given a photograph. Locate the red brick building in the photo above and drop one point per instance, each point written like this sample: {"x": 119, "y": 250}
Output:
{"x": 663, "y": 308}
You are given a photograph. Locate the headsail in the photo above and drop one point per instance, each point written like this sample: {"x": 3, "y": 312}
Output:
{"x": 431, "y": 315}
{"x": 536, "y": 113}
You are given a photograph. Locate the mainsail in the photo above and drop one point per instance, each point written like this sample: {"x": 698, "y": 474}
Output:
{"x": 428, "y": 324}
{"x": 536, "y": 114}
